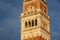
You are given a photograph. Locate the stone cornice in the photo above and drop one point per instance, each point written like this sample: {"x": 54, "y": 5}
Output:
{"x": 31, "y": 14}
{"x": 30, "y": 29}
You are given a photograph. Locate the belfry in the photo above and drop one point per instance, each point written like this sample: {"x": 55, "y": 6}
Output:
{"x": 35, "y": 22}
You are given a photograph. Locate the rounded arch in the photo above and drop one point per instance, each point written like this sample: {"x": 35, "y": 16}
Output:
{"x": 35, "y": 22}
{"x": 29, "y": 23}
{"x": 32, "y": 23}
{"x": 26, "y": 24}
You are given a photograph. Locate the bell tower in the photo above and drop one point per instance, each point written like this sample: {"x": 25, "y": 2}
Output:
{"x": 35, "y": 22}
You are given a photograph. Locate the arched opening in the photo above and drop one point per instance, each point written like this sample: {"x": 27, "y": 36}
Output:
{"x": 26, "y": 24}
{"x": 29, "y": 24}
{"x": 32, "y": 23}
{"x": 35, "y": 22}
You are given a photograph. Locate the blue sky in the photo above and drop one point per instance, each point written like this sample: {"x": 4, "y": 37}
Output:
{"x": 10, "y": 22}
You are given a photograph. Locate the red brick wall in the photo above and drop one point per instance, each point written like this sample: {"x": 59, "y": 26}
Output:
{"x": 35, "y": 38}
{"x": 43, "y": 6}
{"x": 37, "y": 4}
{"x": 27, "y": 4}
